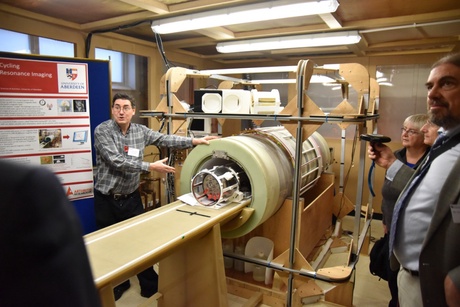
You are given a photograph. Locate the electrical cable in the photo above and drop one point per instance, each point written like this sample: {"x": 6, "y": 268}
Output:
{"x": 170, "y": 178}
{"x": 163, "y": 122}
{"x": 90, "y": 35}
{"x": 159, "y": 43}
{"x": 158, "y": 40}
{"x": 373, "y": 139}
{"x": 369, "y": 178}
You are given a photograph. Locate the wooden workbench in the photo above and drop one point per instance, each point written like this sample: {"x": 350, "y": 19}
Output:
{"x": 184, "y": 240}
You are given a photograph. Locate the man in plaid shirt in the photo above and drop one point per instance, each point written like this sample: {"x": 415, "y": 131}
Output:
{"x": 120, "y": 147}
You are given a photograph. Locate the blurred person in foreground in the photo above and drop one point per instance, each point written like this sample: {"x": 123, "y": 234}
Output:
{"x": 43, "y": 259}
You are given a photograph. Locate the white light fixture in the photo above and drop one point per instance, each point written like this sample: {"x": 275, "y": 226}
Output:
{"x": 268, "y": 10}
{"x": 289, "y": 42}
{"x": 321, "y": 79}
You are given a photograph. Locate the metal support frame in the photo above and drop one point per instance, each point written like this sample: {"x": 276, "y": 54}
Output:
{"x": 358, "y": 237}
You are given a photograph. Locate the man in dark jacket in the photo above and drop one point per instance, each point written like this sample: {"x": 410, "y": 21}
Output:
{"x": 426, "y": 221}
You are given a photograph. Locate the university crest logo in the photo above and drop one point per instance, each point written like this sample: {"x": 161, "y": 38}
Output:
{"x": 72, "y": 73}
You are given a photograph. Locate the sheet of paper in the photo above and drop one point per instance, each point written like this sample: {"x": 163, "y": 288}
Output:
{"x": 190, "y": 200}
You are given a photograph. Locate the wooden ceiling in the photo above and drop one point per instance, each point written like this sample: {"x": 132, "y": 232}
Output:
{"x": 387, "y": 27}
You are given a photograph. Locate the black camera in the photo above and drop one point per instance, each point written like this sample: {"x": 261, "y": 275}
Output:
{"x": 375, "y": 138}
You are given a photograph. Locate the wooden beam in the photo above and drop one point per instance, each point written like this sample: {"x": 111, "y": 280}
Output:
{"x": 189, "y": 42}
{"x": 403, "y": 20}
{"x": 202, "y": 4}
{"x": 446, "y": 49}
{"x": 116, "y": 21}
{"x": 281, "y": 31}
{"x": 359, "y": 48}
{"x": 428, "y": 42}
{"x": 35, "y": 16}
{"x": 331, "y": 21}
{"x": 150, "y": 5}
{"x": 217, "y": 33}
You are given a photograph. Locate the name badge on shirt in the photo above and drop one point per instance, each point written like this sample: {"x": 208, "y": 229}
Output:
{"x": 133, "y": 152}
{"x": 455, "y": 210}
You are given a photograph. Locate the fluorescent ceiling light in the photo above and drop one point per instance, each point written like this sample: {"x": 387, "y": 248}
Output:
{"x": 249, "y": 70}
{"x": 314, "y": 79}
{"x": 289, "y": 42}
{"x": 273, "y": 81}
{"x": 268, "y": 10}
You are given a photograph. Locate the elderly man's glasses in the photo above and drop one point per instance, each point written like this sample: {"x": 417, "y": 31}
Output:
{"x": 409, "y": 131}
{"x": 117, "y": 108}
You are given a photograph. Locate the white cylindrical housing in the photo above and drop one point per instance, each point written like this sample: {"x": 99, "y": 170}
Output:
{"x": 264, "y": 161}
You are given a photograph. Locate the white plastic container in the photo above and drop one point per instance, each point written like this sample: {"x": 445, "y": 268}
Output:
{"x": 258, "y": 271}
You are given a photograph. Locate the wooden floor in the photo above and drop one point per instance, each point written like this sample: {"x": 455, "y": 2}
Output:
{"x": 369, "y": 290}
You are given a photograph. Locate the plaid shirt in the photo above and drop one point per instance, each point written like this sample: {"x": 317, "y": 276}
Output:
{"x": 117, "y": 171}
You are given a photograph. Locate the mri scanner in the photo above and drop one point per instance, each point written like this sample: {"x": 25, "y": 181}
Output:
{"x": 257, "y": 165}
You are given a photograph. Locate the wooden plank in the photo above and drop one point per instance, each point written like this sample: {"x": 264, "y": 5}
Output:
{"x": 194, "y": 274}
{"x": 122, "y": 250}
{"x": 341, "y": 294}
{"x": 254, "y": 300}
{"x": 316, "y": 218}
{"x": 244, "y": 290}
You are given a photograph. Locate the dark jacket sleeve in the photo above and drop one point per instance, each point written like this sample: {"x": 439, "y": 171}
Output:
{"x": 402, "y": 177}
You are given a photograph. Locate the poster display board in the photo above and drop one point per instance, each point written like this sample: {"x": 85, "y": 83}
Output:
{"x": 49, "y": 107}
{"x": 44, "y": 119}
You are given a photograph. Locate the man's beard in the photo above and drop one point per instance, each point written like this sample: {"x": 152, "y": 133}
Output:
{"x": 446, "y": 121}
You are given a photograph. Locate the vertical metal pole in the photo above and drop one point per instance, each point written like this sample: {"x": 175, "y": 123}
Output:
{"x": 296, "y": 187}
{"x": 370, "y": 201}
{"x": 169, "y": 129}
{"x": 359, "y": 192}
{"x": 342, "y": 160}
{"x": 170, "y": 107}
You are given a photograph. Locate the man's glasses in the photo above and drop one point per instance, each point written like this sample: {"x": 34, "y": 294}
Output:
{"x": 410, "y": 132}
{"x": 117, "y": 108}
